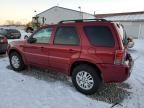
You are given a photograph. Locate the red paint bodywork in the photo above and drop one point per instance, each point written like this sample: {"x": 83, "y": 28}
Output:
{"x": 61, "y": 57}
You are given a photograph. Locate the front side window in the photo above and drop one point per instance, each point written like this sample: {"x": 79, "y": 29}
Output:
{"x": 43, "y": 35}
{"x": 99, "y": 36}
{"x": 66, "y": 36}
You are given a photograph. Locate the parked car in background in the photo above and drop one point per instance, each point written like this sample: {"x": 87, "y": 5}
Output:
{"x": 24, "y": 34}
{"x": 91, "y": 51}
{"x": 3, "y": 44}
{"x": 127, "y": 40}
{"x": 10, "y": 33}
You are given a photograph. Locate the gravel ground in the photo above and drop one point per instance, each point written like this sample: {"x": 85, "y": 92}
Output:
{"x": 112, "y": 93}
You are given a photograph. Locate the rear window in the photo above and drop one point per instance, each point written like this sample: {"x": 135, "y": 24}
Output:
{"x": 99, "y": 36}
{"x": 13, "y": 30}
{"x": 3, "y": 31}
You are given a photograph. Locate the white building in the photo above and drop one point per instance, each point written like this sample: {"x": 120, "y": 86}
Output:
{"x": 132, "y": 21}
{"x": 56, "y": 14}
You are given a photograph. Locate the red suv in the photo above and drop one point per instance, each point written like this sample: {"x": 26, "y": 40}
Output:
{"x": 90, "y": 51}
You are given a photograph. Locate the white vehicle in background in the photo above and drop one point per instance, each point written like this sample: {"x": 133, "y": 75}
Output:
{"x": 127, "y": 40}
{"x": 24, "y": 35}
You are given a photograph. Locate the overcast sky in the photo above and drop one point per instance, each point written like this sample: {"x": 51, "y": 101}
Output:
{"x": 23, "y": 10}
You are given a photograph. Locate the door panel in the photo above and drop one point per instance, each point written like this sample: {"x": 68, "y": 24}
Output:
{"x": 65, "y": 48}
{"x": 36, "y": 53}
{"x": 61, "y": 56}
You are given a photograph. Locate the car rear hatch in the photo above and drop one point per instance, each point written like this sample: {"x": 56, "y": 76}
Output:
{"x": 122, "y": 56}
{"x": 13, "y": 34}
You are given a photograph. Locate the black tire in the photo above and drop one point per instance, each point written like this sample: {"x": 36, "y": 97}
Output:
{"x": 21, "y": 63}
{"x": 95, "y": 77}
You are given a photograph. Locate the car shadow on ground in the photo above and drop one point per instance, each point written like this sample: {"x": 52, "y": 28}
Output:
{"x": 110, "y": 93}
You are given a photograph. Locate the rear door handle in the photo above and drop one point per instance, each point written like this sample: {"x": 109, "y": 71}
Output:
{"x": 72, "y": 51}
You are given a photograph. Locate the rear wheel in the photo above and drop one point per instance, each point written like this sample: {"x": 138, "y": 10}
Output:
{"x": 16, "y": 61}
{"x": 86, "y": 79}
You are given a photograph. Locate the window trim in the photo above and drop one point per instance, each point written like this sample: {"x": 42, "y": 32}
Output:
{"x": 98, "y": 26}
{"x": 66, "y": 44}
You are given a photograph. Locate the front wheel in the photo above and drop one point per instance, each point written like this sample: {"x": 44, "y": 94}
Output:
{"x": 16, "y": 61}
{"x": 86, "y": 79}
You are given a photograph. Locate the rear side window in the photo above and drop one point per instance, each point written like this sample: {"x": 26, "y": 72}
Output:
{"x": 3, "y": 31}
{"x": 66, "y": 36}
{"x": 99, "y": 36}
{"x": 13, "y": 30}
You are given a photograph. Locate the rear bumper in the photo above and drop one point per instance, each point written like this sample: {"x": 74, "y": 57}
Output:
{"x": 116, "y": 73}
{"x": 3, "y": 48}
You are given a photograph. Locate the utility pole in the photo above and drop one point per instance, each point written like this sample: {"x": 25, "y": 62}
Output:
{"x": 81, "y": 13}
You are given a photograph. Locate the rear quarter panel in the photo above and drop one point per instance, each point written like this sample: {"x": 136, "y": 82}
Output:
{"x": 98, "y": 54}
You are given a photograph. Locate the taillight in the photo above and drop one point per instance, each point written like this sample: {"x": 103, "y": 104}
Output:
{"x": 4, "y": 40}
{"x": 119, "y": 57}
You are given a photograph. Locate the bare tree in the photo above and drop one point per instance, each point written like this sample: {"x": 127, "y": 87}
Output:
{"x": 18, "y": 23}
{"x": 11, "y": 22}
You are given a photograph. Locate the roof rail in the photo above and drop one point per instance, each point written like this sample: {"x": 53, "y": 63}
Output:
{"x": 83, "y": 20}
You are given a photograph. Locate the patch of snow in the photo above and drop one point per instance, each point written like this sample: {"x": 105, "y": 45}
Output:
{"x": 20, "y": 91}
{"x": 136, "y": 80}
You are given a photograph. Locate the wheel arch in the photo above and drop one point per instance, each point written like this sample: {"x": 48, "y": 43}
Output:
{"x": 17, "y": 51}
{"x": 76, "y": 63}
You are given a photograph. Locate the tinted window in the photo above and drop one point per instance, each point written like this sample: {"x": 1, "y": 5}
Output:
{"x": 12, "y": 30}
{"x": 66, "y": 35}
{"x": 3, "y": 31}
{"x": 99, "y": 36}
{"x": 43, "y": 35}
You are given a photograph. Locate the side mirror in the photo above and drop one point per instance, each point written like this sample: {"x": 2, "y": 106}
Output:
{"x": 31, "y": 40}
